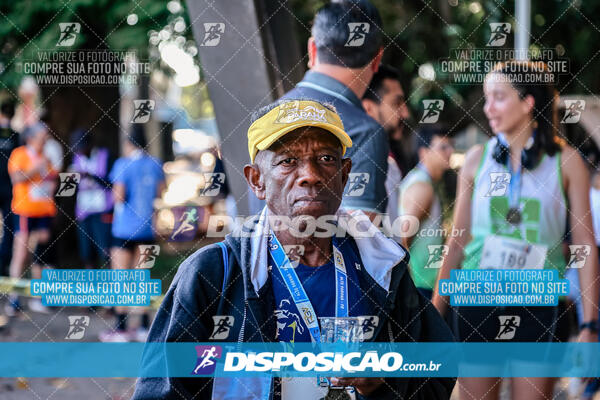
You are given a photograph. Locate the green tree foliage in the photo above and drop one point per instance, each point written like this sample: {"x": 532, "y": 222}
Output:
{"x": 28, "y": 26}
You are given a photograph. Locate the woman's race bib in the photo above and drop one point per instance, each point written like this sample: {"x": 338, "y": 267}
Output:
{"x": 501, "y": 252}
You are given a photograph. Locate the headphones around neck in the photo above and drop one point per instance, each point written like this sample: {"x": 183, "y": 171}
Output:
{"x": 529, "y": 155}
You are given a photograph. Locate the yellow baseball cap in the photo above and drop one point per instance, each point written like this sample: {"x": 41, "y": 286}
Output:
{"x": 292, "y": 115}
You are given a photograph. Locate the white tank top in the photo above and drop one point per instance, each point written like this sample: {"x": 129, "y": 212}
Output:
{"x": 542, "y": 203}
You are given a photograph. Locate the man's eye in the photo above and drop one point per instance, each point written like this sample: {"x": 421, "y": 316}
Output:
{"x": 287, "y": 161}
{"x": 327, "y": 158}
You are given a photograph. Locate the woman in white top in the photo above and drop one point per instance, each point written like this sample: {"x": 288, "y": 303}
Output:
{"x": 548, "y": 183}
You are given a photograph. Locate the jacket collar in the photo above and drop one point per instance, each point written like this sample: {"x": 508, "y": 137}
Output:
{"x": 330, "y": 84}
{"x": 379, "y": 254}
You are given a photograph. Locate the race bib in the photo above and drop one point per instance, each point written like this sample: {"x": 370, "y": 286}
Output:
{"x": 507, "y": 253}
{"x": 92, "y": 201}
{"x": 40, "y": 191}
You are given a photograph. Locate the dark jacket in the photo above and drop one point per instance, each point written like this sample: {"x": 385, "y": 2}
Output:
{"x": 201, "y": 290}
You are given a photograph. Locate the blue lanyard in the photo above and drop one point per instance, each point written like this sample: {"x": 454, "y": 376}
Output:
{"x": 514, "y": 188}
{"x": 294, "y": 286}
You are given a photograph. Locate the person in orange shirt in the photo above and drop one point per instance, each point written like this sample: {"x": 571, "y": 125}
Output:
{"x": 34, "y": 182}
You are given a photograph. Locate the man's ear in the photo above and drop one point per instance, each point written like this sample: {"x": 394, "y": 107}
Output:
{"x": 312, "y": 52}
{"x": 255, "y": 180}
{"x": 377, "y": 60}
{"x": 346, "y": 168}
{"x": 370, "y": 107}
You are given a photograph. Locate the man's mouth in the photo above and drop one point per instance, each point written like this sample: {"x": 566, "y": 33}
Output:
{"x": 309, "y": 200}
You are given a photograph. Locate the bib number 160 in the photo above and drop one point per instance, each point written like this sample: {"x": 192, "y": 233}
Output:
{"x": 511, "y": 259}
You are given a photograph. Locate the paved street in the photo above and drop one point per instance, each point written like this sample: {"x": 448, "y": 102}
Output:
{"x": 36, "y": 327}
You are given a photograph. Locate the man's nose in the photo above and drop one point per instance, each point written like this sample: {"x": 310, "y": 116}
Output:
{"x": 404, "y": 113}
{"x": 309, "y": 173}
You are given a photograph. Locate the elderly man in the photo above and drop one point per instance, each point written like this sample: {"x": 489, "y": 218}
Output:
{"x": 236, "y": 291}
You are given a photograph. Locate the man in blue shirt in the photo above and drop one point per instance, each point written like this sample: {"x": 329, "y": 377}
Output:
{"x": 344, "y": 52}
{"x": 137, "y": 180}
{"x": 318, "y": 283}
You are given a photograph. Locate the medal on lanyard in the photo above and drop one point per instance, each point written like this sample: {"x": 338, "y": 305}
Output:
{"x": 297, "y": 292}
{"x": 513, "y": 216}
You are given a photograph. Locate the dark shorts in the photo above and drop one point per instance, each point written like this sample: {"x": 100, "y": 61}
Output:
{"x": 30, "y": 224}
{"x": 94, "y": 238}
{"x": 130, "y": 244}
{"x": 511, "y": 324}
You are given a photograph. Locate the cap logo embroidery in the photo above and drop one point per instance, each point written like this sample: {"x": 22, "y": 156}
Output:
{"x": 291, "y": 112}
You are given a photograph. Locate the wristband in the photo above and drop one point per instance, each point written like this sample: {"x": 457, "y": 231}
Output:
{"x": 591, "y": 325}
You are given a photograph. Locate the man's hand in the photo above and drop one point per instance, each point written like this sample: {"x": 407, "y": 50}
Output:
{"x": 364, "y": 386}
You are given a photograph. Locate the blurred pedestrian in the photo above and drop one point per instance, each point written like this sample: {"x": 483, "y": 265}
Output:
{"x": 137, "y": 179}
{"x": 384, "y": 101}
{"x": 9, "y": 140}
{"x": 419, "y": 198}
{"x": 28, "y": 113}
{"x": 94, "y": 202}
{"x": 34, "y": 182}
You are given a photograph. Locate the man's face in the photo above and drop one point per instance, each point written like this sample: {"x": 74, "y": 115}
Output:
{"x": 303, "y": 173}
{"x": 38, "y": 140}
{"x": 392, "y": 110}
